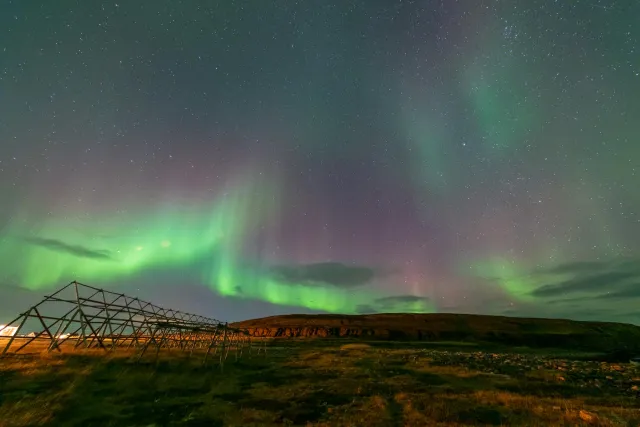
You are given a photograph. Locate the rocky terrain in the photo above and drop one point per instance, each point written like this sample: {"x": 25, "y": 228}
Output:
{"x": 511, "y": 331}
{"x": 597, "y": 377}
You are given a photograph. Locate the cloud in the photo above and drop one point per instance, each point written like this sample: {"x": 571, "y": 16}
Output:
{"x": 575, "y": 267}
{"x": 398, "y": 304}
{"x": 400, "y": 299}
{"x": 585, "y": 283}
{"x": 366, "y": 309}
{"x": 76, "y": 250}
{"x": 585, "y": 290}
{"x": 600, "y": 278}
{"x": 631, "y": 291}
{"x": 329, "y": 273}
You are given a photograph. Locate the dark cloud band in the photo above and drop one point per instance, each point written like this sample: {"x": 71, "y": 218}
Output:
{"x": 77, "y": 250}
{"x": 329, "y": 273}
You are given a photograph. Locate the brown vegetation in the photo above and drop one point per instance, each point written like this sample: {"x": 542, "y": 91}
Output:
{"x": 315, "y": 383}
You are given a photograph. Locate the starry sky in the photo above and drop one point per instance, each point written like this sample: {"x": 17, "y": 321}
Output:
{"x": 239, "y": 159}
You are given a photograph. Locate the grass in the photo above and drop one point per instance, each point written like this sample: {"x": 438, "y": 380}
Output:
{"x": 312, "y": 383}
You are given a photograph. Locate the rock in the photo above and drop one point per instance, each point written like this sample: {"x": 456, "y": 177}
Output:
{"x": 586, "y": 416}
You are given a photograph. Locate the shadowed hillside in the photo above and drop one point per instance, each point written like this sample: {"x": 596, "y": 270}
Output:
{"x": 532, "y": 332}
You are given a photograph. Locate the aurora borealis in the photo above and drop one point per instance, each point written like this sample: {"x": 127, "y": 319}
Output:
{"x": 247, "y": 158}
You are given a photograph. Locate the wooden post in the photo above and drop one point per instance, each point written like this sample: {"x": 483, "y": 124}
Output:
{"x": 83, "y": 334}
{"x": 95, "y": 317}
{"x": 224, "y": 344}
{"x": 13, "y": 337}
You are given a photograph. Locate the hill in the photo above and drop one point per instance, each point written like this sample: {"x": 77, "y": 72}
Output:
{"x": 513, "y": 331}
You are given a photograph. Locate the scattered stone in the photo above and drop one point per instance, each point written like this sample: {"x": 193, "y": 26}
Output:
{"x": 586, "y": 416}
{"x": 609, "y": 378}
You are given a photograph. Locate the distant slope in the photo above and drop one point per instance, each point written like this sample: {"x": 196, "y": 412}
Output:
{"x": 533, "y": 332}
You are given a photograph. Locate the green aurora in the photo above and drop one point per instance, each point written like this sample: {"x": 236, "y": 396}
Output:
{"x": 175, "y": 237}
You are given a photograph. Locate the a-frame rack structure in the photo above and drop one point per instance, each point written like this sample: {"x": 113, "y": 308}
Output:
{"x": 80, "y": 316}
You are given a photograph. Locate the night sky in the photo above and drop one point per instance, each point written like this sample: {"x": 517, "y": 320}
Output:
{"x": 247, "y": 158}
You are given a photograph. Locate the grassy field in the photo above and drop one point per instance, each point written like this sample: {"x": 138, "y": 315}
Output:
{"x": 321, "y": 383}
